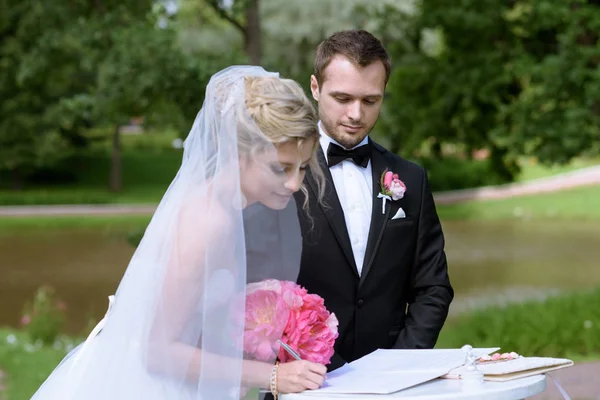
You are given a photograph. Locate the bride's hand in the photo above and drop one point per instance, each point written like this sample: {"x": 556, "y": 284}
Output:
{"x": 297, "y": 376}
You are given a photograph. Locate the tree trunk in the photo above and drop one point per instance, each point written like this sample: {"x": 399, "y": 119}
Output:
{"x": 252, "y": 36}
{"x": 17, "y": 179}
{"x": 115, "y": 171}
{"x": 436, "y": 150}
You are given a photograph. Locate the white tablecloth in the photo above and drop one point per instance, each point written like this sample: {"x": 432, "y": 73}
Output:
{"x": 445, "y": 389}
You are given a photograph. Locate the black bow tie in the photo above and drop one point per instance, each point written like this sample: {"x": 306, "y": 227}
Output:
{"x": 360, "y": 155}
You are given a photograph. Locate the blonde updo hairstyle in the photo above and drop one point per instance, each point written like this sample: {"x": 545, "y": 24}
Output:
{"x": 282, "y": 112}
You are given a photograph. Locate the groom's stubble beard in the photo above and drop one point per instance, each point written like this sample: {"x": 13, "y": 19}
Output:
{"x": 337, "y": 133}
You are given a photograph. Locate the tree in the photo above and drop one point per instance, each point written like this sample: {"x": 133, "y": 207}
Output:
{"x": 49, "y": 53}
{"x": 244, "y": 16}
{"x": 26, "y": 139}
{"x": 556, "y": 116}
{"x": 66, "y": 68}
{"x": 515, "y": 77}
{"x": 288, "y": 32}
{"x": 293, "y": 30}
{"x": 146, "y": 73}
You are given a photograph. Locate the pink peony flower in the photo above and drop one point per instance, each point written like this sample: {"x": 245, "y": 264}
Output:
{"x": 311, "y": 331}
{"x": 286, "y": 311}
{"x": 332, "y": 322}
{"x": 267, "y": 315}
{"x": 293, "y": 294}
{"x": 267, "y": 284}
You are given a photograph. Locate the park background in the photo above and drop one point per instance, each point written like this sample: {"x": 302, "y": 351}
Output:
{"x": 498, "y": 99}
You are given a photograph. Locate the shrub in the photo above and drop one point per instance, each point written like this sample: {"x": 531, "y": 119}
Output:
{"x": 560, "y": 326}
{"x": 452, "y": 173}
{"x": 58, "y": 197}
{"x": 43, "y": 319}
{"x": 134, "y": 237}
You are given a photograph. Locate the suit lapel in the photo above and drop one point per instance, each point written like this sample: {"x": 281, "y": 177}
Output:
{"x": 333, "y": 210}
{"x": 378, "y": 218}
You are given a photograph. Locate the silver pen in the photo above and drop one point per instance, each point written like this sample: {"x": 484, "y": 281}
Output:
{"x": 289, "y": 350}
{"x": 293, "y": 353}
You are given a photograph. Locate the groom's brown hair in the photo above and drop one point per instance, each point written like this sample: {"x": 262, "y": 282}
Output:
{"x": 357, "y": 45}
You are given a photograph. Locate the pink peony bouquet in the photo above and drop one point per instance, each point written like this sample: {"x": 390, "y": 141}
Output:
{"x": 284, "y": 310}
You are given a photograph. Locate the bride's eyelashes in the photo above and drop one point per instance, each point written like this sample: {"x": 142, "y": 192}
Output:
{"x": 279, "y": 170}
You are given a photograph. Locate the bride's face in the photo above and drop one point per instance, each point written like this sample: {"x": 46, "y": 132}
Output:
{"x": 272, "y": 177}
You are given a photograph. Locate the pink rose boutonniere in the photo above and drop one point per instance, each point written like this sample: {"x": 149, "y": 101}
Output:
{"x": 392, "y": 188}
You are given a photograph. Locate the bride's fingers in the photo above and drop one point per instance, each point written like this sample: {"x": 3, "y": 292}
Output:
{"x": 316, "y": 379}
{"x": 308, "y": 384}
{"x": 317, "y": 368}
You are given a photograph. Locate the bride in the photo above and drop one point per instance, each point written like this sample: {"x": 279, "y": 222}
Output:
{"x": 176, "y": 323}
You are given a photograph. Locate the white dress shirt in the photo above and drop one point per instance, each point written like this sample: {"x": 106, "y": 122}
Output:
{"x": 354, "y": 187}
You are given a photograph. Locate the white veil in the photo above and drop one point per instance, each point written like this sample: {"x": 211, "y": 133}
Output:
{"x": 175, "y": 326}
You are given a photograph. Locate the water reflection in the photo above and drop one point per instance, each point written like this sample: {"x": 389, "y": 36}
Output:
{"x": 500, "y": 261}
{"x": 84, "y": 266}
{"x": 489, "y": 262}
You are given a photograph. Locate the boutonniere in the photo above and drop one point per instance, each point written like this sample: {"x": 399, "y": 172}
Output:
{"x": 392, "y": 188}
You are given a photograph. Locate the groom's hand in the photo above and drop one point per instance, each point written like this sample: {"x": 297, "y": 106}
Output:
{"x": 297, "y": 376}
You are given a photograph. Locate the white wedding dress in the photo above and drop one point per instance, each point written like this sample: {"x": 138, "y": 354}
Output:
{"x": 174, "y": 330}
{"x": 138, "y": 383}
{"x": 176, "y": 326}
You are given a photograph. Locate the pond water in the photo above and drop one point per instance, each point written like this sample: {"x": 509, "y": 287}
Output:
{"x": 490, "y": 262}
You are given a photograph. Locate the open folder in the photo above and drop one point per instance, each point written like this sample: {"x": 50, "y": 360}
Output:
{"x": 500, "y": 371}
{"x": 389, "y": 371}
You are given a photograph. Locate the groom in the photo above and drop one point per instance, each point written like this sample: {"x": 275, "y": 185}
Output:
{"x": 379, "y": 263}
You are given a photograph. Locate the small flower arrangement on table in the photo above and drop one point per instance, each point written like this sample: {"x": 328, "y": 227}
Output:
{"x": 498, "y": 357}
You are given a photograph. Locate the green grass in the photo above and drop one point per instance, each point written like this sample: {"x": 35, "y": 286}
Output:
{"x": 149, "y": 164}
{"x": 578, "y": 203}
{"x": 8, "y": 226}
{"x": 26, "y": 366}
{"x": 567, "y": 325}
{"x": 533, "y": 170}
{"x": 146, "y": 177}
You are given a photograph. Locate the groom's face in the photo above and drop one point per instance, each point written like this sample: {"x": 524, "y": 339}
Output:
{"x": 350, "y": 99}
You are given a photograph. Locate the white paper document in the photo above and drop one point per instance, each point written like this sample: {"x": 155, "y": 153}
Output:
{"x": 361, "y": 382}
{"x": 416, "y": 360}
{"x": 389, "y": 371}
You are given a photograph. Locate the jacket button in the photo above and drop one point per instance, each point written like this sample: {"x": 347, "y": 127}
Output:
{"x": 360, "y": 303}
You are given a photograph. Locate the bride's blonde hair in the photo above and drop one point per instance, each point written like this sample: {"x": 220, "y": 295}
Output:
{"x": 283, "y": 113}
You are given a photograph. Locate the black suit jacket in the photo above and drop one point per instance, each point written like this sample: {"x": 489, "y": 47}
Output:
{"x": 402, "y": 296}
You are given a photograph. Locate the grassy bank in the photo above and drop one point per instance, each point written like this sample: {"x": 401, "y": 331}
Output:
{"x": 567, "y": 325}
{"x": 27, "y": 365}
{"x": 146, "y": 176}
{"x": 149, "y": 164}
{"x": 579, "y": 203}
{"x": 564, "y": 326}
{"x": 530, "y": 169}
{"x": 576, "y": 204}
{"x": 121, "y": 223}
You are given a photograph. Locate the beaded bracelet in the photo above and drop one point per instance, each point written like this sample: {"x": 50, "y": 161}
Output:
{"x": 273, "y": 381}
